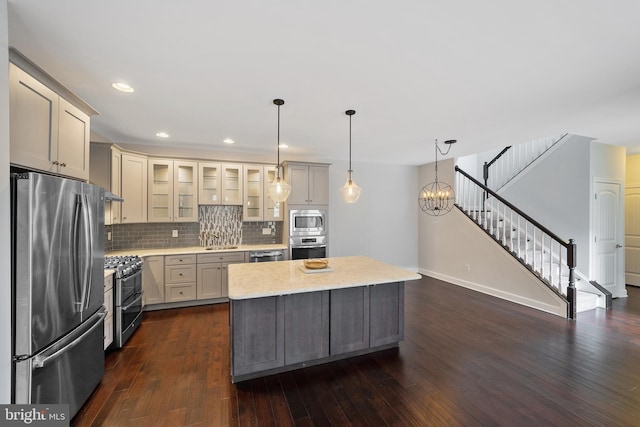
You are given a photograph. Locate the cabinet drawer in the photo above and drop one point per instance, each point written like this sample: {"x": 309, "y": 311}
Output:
{"x": 179, "y": 259}
{"x": 175, "y": 293}
{"x": 108, "y": 302}
{"x": 221, "y": 257}
{"x": 180, "y": 273}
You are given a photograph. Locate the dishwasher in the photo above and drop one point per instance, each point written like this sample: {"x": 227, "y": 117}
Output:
{"x": 265, "y": 256}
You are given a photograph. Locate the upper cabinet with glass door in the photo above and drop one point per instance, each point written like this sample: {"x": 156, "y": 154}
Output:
{"x": 273, "y": 211}
{"x": 160, "y": 188}
{"x": 185, "y": 187}
{"x": 253, "y": 193}
{"x": 258, "y": 206}
{"x": 172, "y": 191}
{"x": 220, "y": 183}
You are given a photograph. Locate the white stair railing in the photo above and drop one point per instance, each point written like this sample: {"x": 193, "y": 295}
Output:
{"x": 514, "y": 159}
{"x": 548, "y": 256}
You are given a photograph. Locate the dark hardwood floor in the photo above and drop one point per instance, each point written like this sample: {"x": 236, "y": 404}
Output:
{"x": 467, "y": 359}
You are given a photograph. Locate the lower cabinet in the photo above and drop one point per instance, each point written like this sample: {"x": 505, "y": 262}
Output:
{"x": 306, "y": 326}
{"x": 180, "y": 278}
{"x": 190, "y": 277}
{"x": 349, "y": 319}
{"x": 108, "y": 303}
{"x": 213, "y": 273}
{"x": 258, "y": 334}
{"x": 153, "y": 280}
{"x": 386, "y": 308}
{"x": 285, "y": 332}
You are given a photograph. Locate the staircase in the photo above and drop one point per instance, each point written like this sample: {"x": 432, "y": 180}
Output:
{"x": 550, "y": 258}
{"x": 513, "y": 160}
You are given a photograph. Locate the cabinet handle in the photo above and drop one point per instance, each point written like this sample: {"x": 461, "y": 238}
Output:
{"x": 55, "y": 162}
{"x": 181, "y": 293}
{"x": 179, "y": 274}
{"x": 63, "y": 165}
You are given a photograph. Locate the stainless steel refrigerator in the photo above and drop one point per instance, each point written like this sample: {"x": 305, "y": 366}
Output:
{"x": 58, "y": 295}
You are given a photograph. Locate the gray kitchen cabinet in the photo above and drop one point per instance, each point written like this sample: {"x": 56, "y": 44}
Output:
{"x": 134, "y": 188}
{"x": 306, "y": 326}
{"x": 173, "y": 188}
{"x": 116, "y": 187}
{"x": 213, "y": 276}
{"x": 281, "y": 333}
{"x": 47, "y": 132}
{"x": 209, "y": 281}
{"x": 258, "y": 206}
{"x": 108, "y": 304}
{"x": 180, "y": 278}
{"x": 153, "y": 280}
{"x": 257, "y": 334}
{"x": 349, "y": 319}
{"x": 220, "y": 183}
{"x": 309, "y": 183}
{"x": 105, "y": 167}
{"x": 386, "y": 313}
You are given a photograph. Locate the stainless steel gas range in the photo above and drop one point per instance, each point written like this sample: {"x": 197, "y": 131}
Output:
{"x": 127, "y": 302}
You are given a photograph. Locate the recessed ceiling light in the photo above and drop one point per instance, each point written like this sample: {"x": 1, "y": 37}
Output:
{"x": 122, "y": 87}
{"x": 228, "y": 141}
{"x": 282, "y": 145}
{"x": 162, "y": 135}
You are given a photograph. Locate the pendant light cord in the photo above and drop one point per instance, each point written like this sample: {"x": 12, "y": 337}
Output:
{"x": 350, "y": 170}
{"x": 278, "y": 165}
{"x": 278, "y": 102}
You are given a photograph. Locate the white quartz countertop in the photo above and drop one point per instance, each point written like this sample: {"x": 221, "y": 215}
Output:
{"x": 196, "y": 250}
{"x": 287, "y": 277}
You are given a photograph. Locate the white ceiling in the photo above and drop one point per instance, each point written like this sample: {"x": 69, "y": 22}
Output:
{"x": 489, "y": 73}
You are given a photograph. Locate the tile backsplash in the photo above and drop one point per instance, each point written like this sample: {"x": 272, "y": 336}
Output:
{"x": 218, "y": 225}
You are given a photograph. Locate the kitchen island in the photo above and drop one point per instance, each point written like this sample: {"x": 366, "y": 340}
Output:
{"x": 286, "y": 317}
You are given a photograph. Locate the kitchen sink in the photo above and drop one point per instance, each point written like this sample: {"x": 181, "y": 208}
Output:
{"x": 220, "y": 248}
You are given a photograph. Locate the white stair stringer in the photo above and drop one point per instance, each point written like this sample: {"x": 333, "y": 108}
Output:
{"x": 540, "y": 263}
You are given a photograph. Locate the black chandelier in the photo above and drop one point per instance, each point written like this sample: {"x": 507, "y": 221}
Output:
{"x": 437, "y": 198}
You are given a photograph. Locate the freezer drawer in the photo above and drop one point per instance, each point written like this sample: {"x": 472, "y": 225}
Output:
{"x": 66, "y": 372}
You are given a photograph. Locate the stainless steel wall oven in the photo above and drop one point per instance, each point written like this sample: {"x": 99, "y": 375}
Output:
{"x": 307, "y": 234}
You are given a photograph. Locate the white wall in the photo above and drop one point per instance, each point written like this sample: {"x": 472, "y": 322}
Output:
{"x": 632, "y": 220}
{"x": 556, "y": 193}
{"x": 454, "y": 249}
{"x": 5, "y": 254}
{"x": 383, "y": 223}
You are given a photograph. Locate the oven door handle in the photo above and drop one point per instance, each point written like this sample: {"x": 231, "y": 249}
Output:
{"x": 308, "y": 246}
{"x": 132, "y": 303}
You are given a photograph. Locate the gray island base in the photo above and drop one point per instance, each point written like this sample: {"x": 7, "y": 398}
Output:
{"x": 282, "y": 318}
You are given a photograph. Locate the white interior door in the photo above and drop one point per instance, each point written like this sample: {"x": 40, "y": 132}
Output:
{"x": 632, "y": 235}
{"x": 608, "y": 237}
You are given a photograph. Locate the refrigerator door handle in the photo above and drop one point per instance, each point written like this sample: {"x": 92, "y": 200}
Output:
{"x": 41, "y": 360}
{"x": 75, "y": 251}
{"x": 88, "y": 238}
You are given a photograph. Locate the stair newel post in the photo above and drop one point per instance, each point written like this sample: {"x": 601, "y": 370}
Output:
{"x": 485, "y": 175}
{"x": 571, "y": 289}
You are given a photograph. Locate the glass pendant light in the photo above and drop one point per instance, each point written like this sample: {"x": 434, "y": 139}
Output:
{"x": 350, "y": 192}
{"x": 279, "y": 190}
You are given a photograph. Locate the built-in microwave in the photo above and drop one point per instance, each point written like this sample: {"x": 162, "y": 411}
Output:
{"x": 307, "y": 222}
